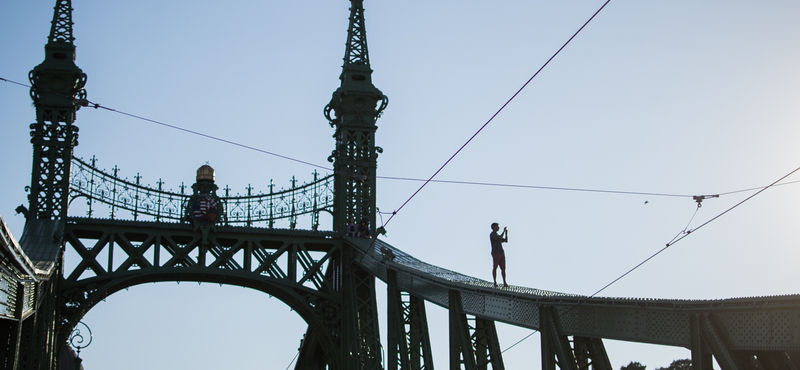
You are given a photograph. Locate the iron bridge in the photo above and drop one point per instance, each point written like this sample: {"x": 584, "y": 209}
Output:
{"x": 198, "y": 233}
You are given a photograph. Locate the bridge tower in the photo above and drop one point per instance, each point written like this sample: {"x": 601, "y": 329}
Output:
{"x": 200, "y": 237}
{"x": 57, "y": 90}
{"x": 353, "y": 110}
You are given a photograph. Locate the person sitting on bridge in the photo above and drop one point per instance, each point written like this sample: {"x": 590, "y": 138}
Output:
{"x": 363, "y": 229}
{"x": 352, "y": 229}
{"x": 498, "y": 254}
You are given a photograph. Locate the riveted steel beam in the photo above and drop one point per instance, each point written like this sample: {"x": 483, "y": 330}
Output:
{"x": 408, "y": 339}
{"x": 473, "y": 346}
{"x": 555, "y": 344}
{"x": 590, "y": 352}
{"x": 715, "y": 335}
{"x": 360, "y": 343}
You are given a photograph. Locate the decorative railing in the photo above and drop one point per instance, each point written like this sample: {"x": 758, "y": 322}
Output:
{"x": 123, "y": 195}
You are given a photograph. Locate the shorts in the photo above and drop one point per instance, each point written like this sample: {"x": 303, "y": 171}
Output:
{"x": 499, "y": 259}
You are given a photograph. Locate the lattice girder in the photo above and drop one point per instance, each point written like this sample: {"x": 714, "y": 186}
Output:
{"x": 409, "y": 346}
{"x": 591, "y": 352}
{"x": 472, "y": 346}
{"x": 288, "y": 265}
{"x": 754, "y": 324}
{"x": 361, "y": 347}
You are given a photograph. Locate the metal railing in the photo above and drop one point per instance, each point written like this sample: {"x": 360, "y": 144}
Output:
{"x": 138, "y": 200}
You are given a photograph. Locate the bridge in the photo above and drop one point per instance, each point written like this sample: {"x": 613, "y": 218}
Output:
{"x": 131, "y": 234}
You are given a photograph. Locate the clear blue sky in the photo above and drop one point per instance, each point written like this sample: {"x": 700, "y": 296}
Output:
{"x": 678, "y": 97}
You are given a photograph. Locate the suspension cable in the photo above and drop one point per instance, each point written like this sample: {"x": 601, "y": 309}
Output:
{"x": 671, "y": 243}
{"x": 429, "y": 180}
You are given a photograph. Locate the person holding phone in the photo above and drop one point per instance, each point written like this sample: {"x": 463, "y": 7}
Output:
{"x": 498, "y": 254}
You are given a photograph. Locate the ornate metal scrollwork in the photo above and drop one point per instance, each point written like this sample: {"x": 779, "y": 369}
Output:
{"x": 121, "y": 194}
{"x": 77, "y": 338}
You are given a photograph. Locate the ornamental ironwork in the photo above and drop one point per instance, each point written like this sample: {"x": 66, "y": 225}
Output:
{"x": 126, "y": 199}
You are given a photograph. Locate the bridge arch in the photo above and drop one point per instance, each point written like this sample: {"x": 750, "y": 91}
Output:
{"x": 212, "y": 322}
{"x": 301, "y": 268}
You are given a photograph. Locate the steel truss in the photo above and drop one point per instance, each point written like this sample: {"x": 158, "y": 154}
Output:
{"x": 327, "y": 278}
{"x": 712, "y": 337}
{"x": 556, "y": 349}
{"x": 409, "y": 344}
{"x": 472, "y": 345}
{"x": 310, "y": 271}
{"x": 290, "y": 266}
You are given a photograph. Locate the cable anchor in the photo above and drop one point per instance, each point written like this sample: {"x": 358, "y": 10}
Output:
{"x": 699, "y": 198}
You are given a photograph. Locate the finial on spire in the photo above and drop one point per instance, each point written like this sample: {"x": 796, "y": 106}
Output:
{"x": 61, "y": 29}
{"x": 356, "y": 77}
{"x": 356, "y": 50}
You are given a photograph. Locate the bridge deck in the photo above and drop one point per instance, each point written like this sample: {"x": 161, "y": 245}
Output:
{"x": 645, "y": 320}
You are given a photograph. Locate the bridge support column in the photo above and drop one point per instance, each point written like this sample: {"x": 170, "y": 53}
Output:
{"x": 714, "y": 335}
{"x": 408, "y": 339}
{"x": 556, "y": 349}
{"x": 555, "y": 345}
{"x": 591, "y": 352}
{"x": 39, "y": 342}
{"x": 360, "y": 346}
{"x": 701, "y": 354}
{"x": 474, "y": 350}
{"x": 11, "y": 332}
{"x": 711, "y": 337}
{"x": 313, "y": 355}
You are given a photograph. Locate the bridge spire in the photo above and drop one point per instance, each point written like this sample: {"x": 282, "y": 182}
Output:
{"x": 56, "y": 89}
{"x": 353, "y": 110}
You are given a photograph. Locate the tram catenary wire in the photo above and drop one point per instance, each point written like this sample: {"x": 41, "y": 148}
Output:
{"x": 455, "y": 182}
{"x": 669, "y": 244}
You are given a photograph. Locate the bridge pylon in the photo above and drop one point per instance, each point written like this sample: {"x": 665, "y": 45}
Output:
{"x": 57, "y": 92}
{"x": 195, "y": 237}
{"x": 352, "y": 111}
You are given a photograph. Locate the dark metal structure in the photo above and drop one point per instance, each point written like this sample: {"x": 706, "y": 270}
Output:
{"x": 200, "y": 233}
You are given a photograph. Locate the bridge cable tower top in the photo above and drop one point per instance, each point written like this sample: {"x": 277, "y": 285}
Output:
{"x": 353, "y": 110}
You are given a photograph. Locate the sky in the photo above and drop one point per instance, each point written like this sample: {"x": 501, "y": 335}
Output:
{"x": 679, "y": 98}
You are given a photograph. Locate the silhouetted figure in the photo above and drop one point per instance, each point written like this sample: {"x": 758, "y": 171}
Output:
{"x": 498, "y": 254}
{"x": 352, "y": 229}
{"x": 363, "y": 229}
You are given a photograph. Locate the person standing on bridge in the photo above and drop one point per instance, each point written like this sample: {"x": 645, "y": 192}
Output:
{"x": 498, "y": 254}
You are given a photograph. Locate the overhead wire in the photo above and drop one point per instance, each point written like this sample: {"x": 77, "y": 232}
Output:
{"x": 495, "y": 114}
{"x": 675, "y": 240}
{"x": 96, "y": 106}
{"x": 14, "y": 82}
{"x": 684, "y": 233}
{"x": 669, "y": 244}
{"x": 429, "y": 180}
{"x": 537, "y": 187}
{"x": 90, "y": 104}
{"x": 295, "y": 358}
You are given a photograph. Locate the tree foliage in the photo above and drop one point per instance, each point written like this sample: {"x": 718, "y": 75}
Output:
{"x": 684, "y": 364}
{"x": 633, "y": 366}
